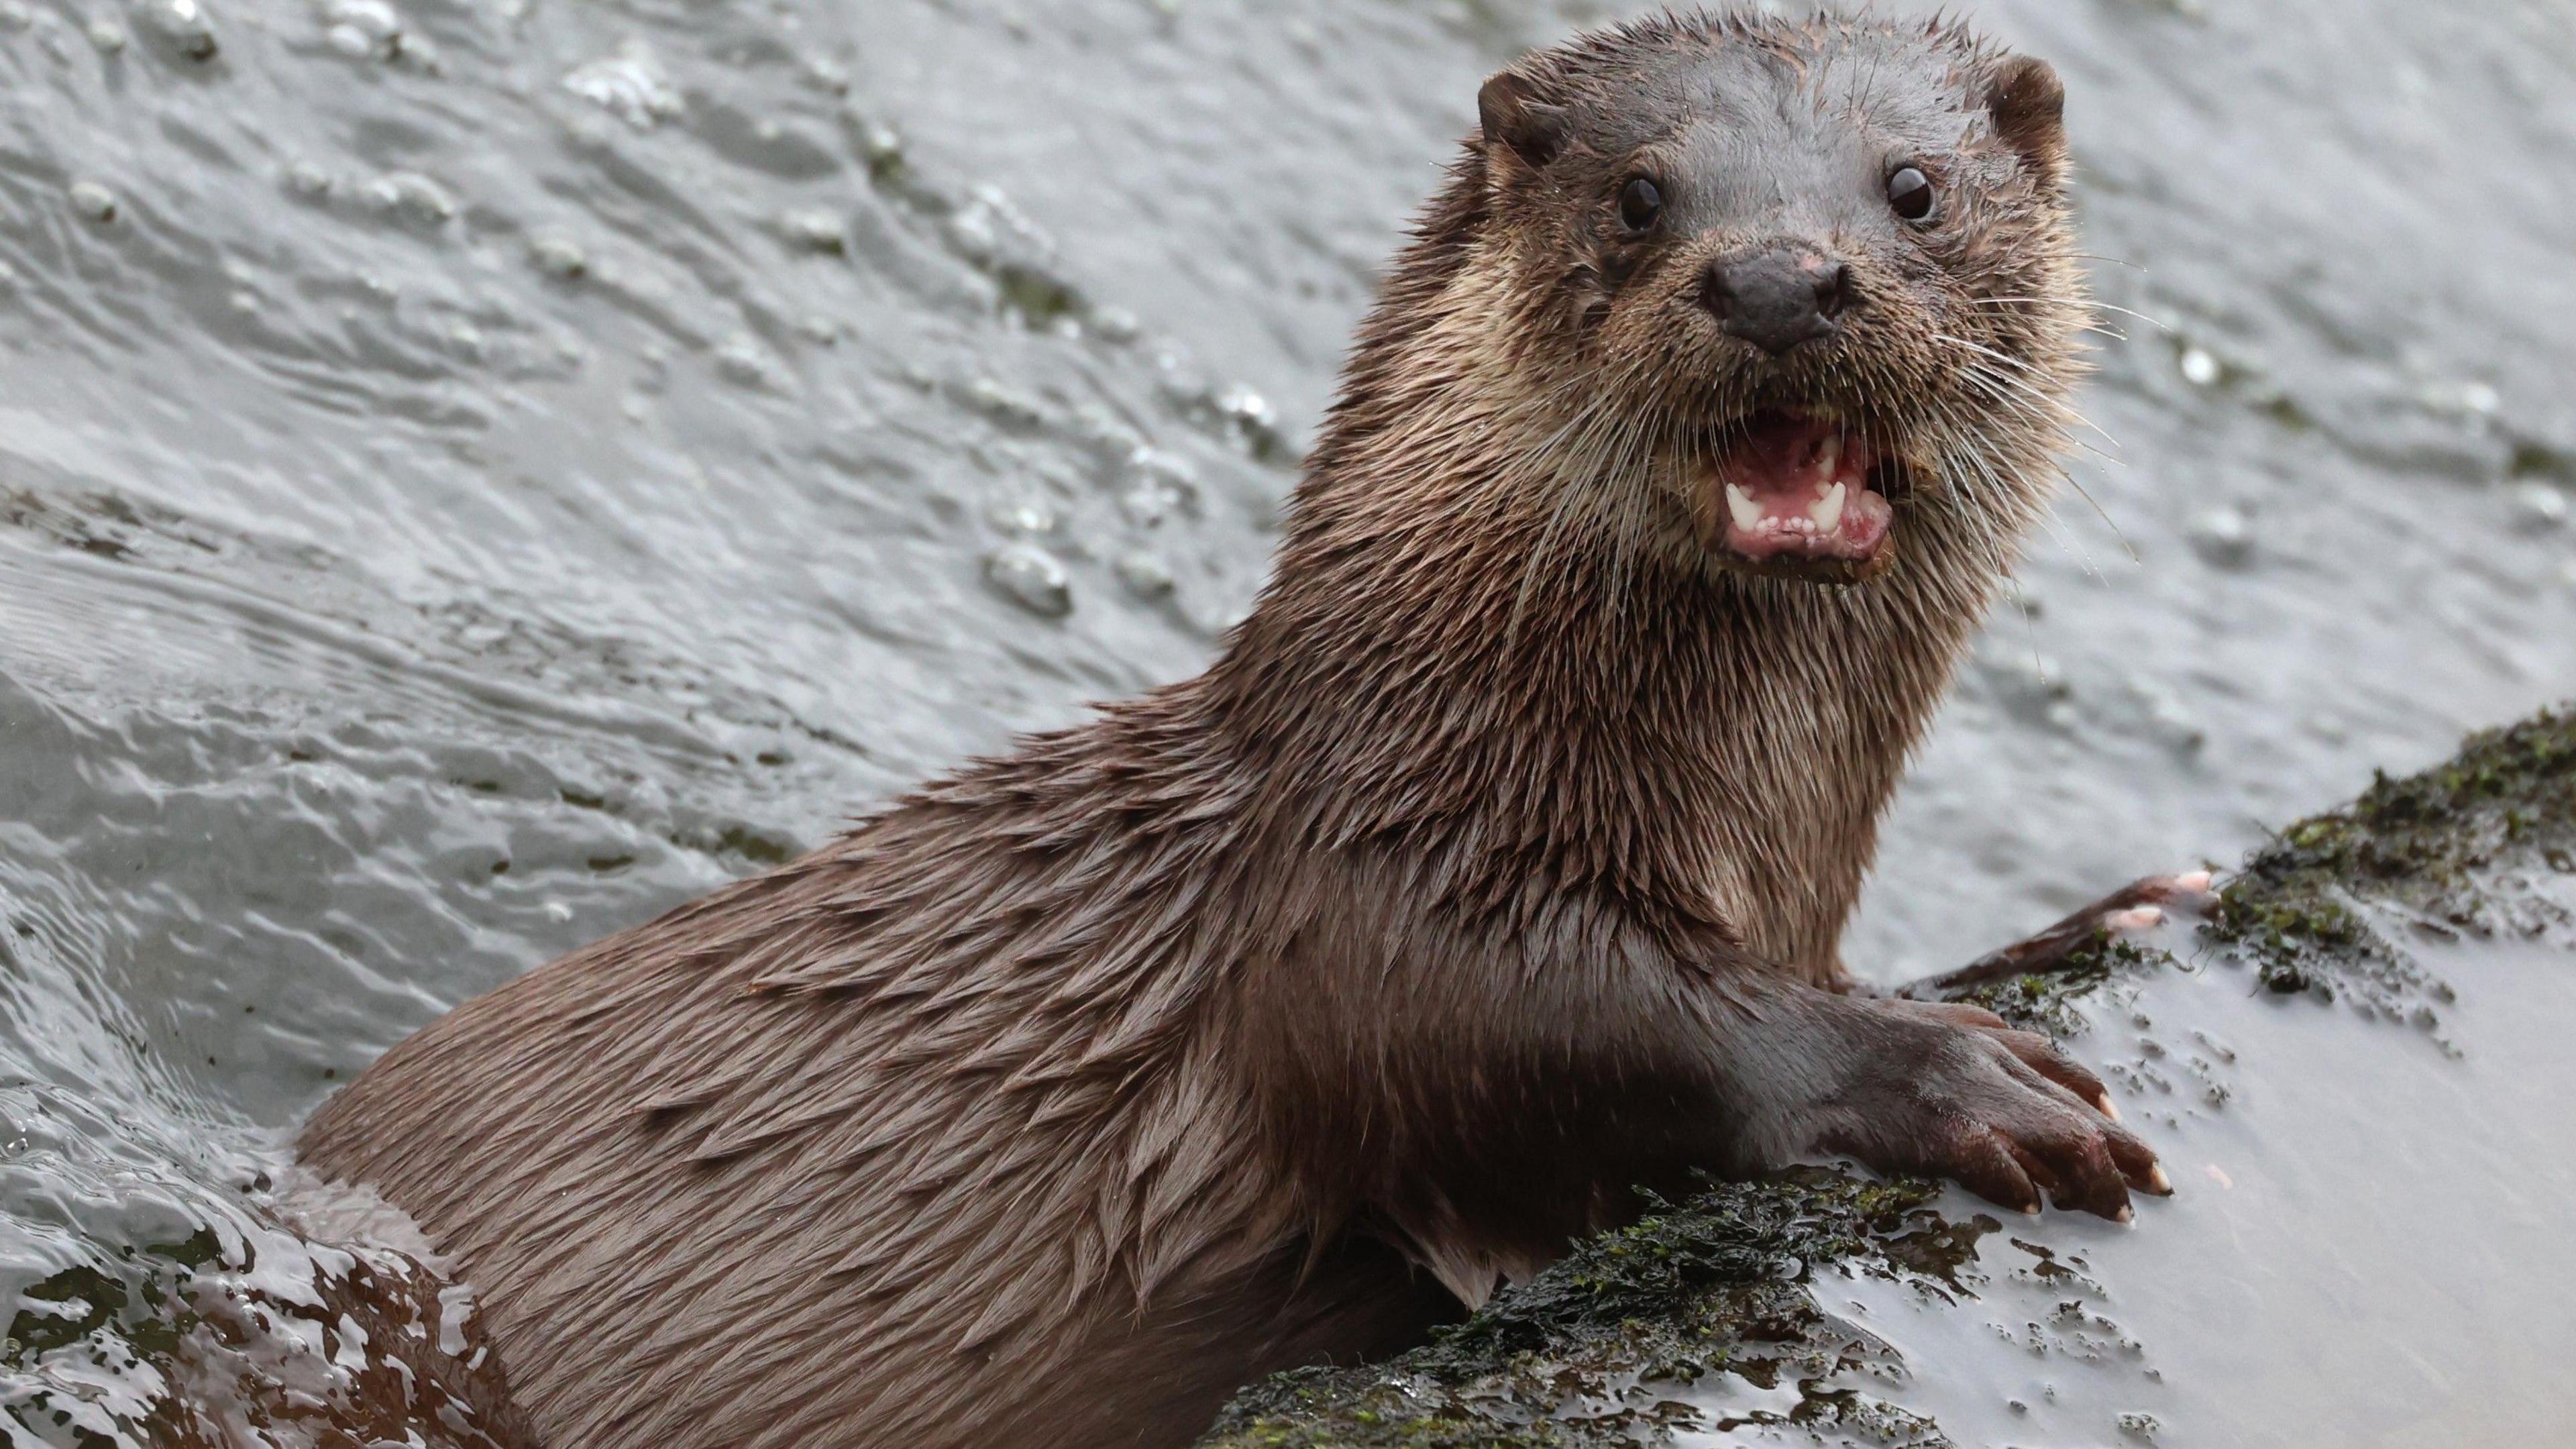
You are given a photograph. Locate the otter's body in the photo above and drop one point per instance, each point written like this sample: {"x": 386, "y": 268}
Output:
{"x": 1496, "y": 868}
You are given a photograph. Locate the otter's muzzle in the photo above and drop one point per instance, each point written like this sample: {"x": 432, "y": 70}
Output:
{"x": 1776, "y": 296}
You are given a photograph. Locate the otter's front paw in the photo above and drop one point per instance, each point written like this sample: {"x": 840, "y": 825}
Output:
{"x": 1953, "y": 1091}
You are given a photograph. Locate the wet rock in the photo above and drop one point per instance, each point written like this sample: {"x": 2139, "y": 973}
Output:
{"x": 1030, "y": 577}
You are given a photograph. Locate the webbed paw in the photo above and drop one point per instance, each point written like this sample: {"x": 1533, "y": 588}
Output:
{"x": 1957, "y": 1092}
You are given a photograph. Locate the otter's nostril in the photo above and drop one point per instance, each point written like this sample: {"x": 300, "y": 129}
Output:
{"x": 1832, "y": 290}
{"x": 1776, "y": 298}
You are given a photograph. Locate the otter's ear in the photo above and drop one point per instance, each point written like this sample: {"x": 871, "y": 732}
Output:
{"x": 1517, "y": 116}
{"x": 2028, "y": 104}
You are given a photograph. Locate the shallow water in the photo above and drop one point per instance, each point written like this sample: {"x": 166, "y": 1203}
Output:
{"x": 474, "y": 473}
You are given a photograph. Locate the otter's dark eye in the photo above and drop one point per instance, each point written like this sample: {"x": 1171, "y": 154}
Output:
{"x": 1640, "y": 203}
{"x": 1910, "y": 192}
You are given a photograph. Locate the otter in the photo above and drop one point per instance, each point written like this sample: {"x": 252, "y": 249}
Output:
{"x": 1493, "y": 873}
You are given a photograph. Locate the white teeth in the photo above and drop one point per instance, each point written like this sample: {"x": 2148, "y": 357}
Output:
{"x": 1829, "y": 456}
{"x": 1828, "y": 510}
{"x": 1741, "y": 507}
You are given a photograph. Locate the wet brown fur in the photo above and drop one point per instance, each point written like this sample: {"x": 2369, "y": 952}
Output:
{"x": 1492, "y": 870}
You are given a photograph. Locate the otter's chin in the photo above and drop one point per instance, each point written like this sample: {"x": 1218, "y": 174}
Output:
{"x": 1791, "y": 496}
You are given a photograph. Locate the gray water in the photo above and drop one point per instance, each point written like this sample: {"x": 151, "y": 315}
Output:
{"x": 476, "y": 473}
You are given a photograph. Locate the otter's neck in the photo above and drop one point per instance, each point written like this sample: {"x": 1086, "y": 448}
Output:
{"x": 1449, "y": 661}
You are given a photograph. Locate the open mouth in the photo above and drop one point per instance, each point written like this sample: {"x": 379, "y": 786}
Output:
{"x": 1793, "y": 495}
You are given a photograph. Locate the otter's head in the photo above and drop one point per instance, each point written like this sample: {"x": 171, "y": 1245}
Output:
{"x": 1805, "y": 288}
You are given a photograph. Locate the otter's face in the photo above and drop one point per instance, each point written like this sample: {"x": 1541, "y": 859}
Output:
{"x": 1815, "y": 279}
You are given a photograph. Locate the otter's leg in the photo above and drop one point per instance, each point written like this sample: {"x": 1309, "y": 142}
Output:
{"x": 2139, "y": 906}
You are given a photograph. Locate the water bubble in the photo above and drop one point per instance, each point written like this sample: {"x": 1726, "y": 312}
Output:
{"x": 816, "y": 230}
{"x": 1027, "y": 517}
{"x": 971, "y": 232}
{"x": 2169, "y": 719}
{"x": 882, "y": 149}
{"x": 2200, "y": 367}
{"x": 1163, "y": 482}
{"x": 108, "y": 36}
{"x": 1247, "y": 408}
{"x": 1003, "y": 404}
{"x": 94, "y": 201}
{"x": 183, "y": 26}
{"x": 1030, "y": 577}
{"x": 1116, "y": 324}
{"x": 743, "y": 363}
{"x": 2224, "y": 536}
{"x": 361, "y": 29}
{"x": 308, "y": 181}
{"x": 2539, "y": 506}
{"x": 559, "y": 257}
{"x": 410, "y": 196}
{"x": 1145, "y": 576}
{"x": 629, "y": 84}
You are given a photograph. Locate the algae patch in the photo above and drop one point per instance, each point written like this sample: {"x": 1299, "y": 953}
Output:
{"x": 2462, "y": 848}
{"x": 1583, "y": 1354}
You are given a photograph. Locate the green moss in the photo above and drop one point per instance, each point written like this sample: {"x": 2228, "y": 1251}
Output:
{"x": 2437, "y": 846}
{"x": 1587, "y": 1353}
{"x": 2048, "y": 1001}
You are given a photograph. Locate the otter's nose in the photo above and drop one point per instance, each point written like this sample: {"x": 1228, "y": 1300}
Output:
{"x": 1777, "y": 297}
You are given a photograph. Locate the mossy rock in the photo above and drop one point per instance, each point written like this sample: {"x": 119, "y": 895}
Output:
{"x": 1582, "y": 1355}
{"x": 2446, "y": 853}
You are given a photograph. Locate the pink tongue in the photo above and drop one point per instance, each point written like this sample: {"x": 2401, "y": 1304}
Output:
{"x": 1778, "y": 458}
{"x": 1779, "y": 495}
